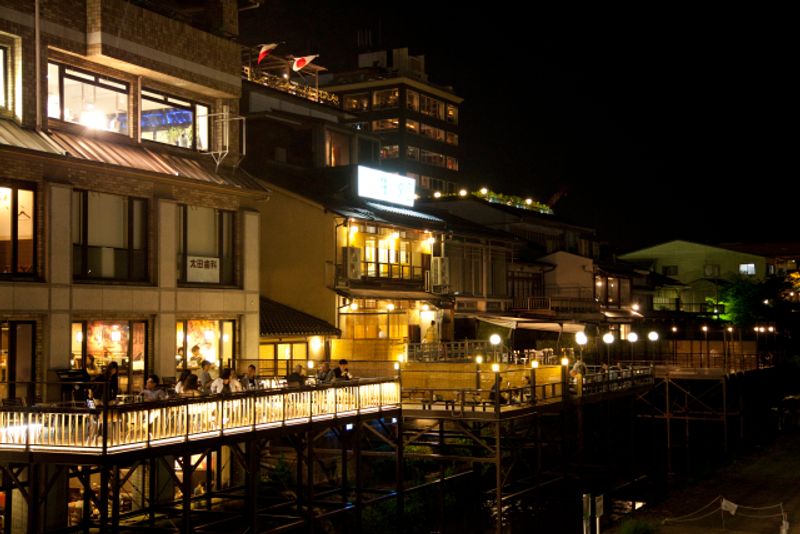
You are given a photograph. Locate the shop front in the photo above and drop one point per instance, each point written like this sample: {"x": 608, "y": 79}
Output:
{"x": 210, "y": 340}
{"x": 97, "y": 343}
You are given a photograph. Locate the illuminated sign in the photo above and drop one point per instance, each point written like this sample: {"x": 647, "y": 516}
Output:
{"x": 385, "y": 186}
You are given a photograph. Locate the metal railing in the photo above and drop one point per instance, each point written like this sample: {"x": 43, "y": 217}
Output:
{"x": 112, "y": 428}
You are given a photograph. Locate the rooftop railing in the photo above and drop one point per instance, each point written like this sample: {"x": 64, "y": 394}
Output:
{"x": 117, "y": 427}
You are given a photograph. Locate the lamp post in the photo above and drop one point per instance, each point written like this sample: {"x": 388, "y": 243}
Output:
{"x": 478, "y": 362}
{"x": 564, "y": 383}
{"x": 581, "y": 340}
{"x": 705, "y": 335}
{"x": 495, "y": 340}
{"x": 608, "y": 339}
{"x": 633, "y": 337}
{"x": 534, "y": 366}
{"x": 653, "y": 336}
{"x": 497, "y": 396}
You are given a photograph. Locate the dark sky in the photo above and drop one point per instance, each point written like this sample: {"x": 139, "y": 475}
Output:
{"x": 658, "y": 124}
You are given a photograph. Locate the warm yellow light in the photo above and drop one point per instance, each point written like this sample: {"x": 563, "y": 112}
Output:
{"x": 353, "y": 230}
{"x": 425, "y": 307}
{"x": 225, "y": 338}
{"x": 396, "y": 366}
{"x": 437, "y": 194}
{"x": 116, "y": 336}
{"x": 92, "y": 118}
{"x": 633, "y": 337}
{"x": 431, "y": 240}
{"x": 528, "y": 201}
{"x": 79, "y": 337}
{"x": 462, "y": 193}
{"x": 495, "y": 367}
{"x": 401, "y": 358}
{"x": 479, "y": 359}
{"x": 484, "y": 191}
{"x": 771, "y": 328}
{"x": 535, "y": 364}
{"x": 395, "y": 235}
{"x": 565, "y": 361}
{"x": 635, "y": 307}
{"x": 608, "y": 337}
{"x": 353, "y": 306}
{"x": 495, "y": 339}
{"x": 652, "y": 336}
{"x": 315, "y": 344}
{"x": 674, "y": 328}
{"x": 581, "y": 339}
{"x": 310, "y": 364}
{"x": 704, "y": 328}
{"x": 209, "y": 335}
{"x": 730, "y": 329}
{"x": 390, "y": 307}
{"x": 599, "y": 283}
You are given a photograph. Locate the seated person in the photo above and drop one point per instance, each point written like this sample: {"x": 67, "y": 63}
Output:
{"x": 341, "y": 372}
{"x": 181, "y": 381}
{"x": 109, "y": 379}
{"x": 296, "y": 378}
{"x": 191, "y": 387}
{"x": 249, "y": 379}
{"x": 325, "y": 375}
{"x": 151, "y": 391}
{"x": 496, "y": 396}
{"x": 226, "y": 383}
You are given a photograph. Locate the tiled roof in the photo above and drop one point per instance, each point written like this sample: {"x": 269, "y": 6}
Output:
{"x": 280, "y": 320}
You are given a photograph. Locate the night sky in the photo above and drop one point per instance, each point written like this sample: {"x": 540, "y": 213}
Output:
{"x": 655, "y": 125}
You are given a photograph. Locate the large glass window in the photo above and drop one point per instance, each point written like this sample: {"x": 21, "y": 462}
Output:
{"x": 452, "y": 138}
{"x": 204, "y": 340}
{"x": 95, "y": 344}
{"x": 385, "y": 98}
{"x": 432, "y": 158}
{"x": 412, "y": 100}
{"x": 747, "y": 269}
{"x": 356, "y": 102}
{"x": 205, "y": 245}
{"x": 174, "y": 121}
{"x": 383, "y": 125}
{"x": 109, "y": 236}
{"x": 412, "y": 152}
{"x": 390, "y": 151}
{"x": 452, "y": 114}
{"x": 431, "y": 107}
{"x": 452, "y": 163}
{"x": 17, "y": 360}
{"x": 88, "y": 99}
{"x": 431, "y": 132}
{"x": 337, "y": 148}
{"x": 17, "y": 231}
{"x": 412, "y": 126}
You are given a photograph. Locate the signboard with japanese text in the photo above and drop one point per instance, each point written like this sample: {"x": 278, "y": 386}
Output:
{"x": 385, "y": 186}
{"x": 202, "y": 269}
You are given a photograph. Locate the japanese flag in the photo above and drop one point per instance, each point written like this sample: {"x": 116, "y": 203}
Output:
{"x": 265, "y": 50}
{"x": 301, "y": 62}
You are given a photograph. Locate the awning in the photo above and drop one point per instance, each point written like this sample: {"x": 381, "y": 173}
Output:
{"x": 530, "y": 324}
{"x": 149, "y": 159}
{"x": 11, "y": 134}
{"x": 280, "y": 320}
{"x": 388, "y": 294}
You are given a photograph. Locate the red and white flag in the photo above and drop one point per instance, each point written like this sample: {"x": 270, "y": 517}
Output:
{"x": 302, "y": 62}
{"x": 265, "y": 51}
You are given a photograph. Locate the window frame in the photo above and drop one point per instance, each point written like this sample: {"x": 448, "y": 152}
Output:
{"x": 376, "y": 92}
{"x": 184, "y": 236}
{"x": 84, "y": 245}
{"x": 5, "y": 91}
{"x": 15, "y": 187}
{"x": 62, "y": 74}
{"x": 180, "y": 103}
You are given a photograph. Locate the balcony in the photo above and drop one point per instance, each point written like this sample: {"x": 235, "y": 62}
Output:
{"x": 116, "y": 428}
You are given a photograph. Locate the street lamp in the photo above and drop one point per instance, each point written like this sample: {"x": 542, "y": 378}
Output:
{"x": 534, "y": 366}
{"x": 564, "y": 383}
{"x": 478, "y": 362}
{"x": 633, "y": 337}
{"x": 581, "y": 340}
{"x": 705, "y": 335}
{"x": 495, "y": 340}
{"x": 653, "y": 336}
{"x": 608, "y": 339}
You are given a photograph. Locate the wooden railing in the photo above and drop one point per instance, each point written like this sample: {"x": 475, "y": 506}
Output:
{"x": 115, "y": 428}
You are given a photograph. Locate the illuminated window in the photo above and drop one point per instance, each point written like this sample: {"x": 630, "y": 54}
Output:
{"x": 431, "y": 107}
{"x": 109, "y": 236}
{"x": 17, "y": 231}
{"x": 412, "y": 152}
{"x": 432, "y": 158}
{"x": 412, "y": 100}
{"x": 431, "y": 132}
{"x": 385, "y": 98}
{"x": 390, "y": 152}
{"x": 88, "y": 99}
{"x": 95, "y": 344}
{"x": 356, "y": 102}
{"x": 412, "y": 126}
{"x": 452, "y": 164}
{"x": 204, "y": 340}
{"x": 452, "y": 114}
{"x": 452, "y": 138}
{"x": 205, "y": 245}
{"x": 383, "y": 125}
{"x": 747, "y": 269}
{"x": 174, "y": 121}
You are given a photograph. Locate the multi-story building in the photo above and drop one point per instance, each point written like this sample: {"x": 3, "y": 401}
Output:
{"x": 416, "y": 120}
{"x": 121, "y": 238}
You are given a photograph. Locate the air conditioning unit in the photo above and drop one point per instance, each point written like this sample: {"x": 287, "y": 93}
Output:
{"x": 440, "y": 271}
{"x": 353, "y": 263}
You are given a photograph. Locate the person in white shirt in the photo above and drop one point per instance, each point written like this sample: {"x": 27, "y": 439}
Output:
{"x": 226, "y": 383}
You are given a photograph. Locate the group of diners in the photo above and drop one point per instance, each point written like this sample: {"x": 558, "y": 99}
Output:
{"x": 190, "y": 384}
